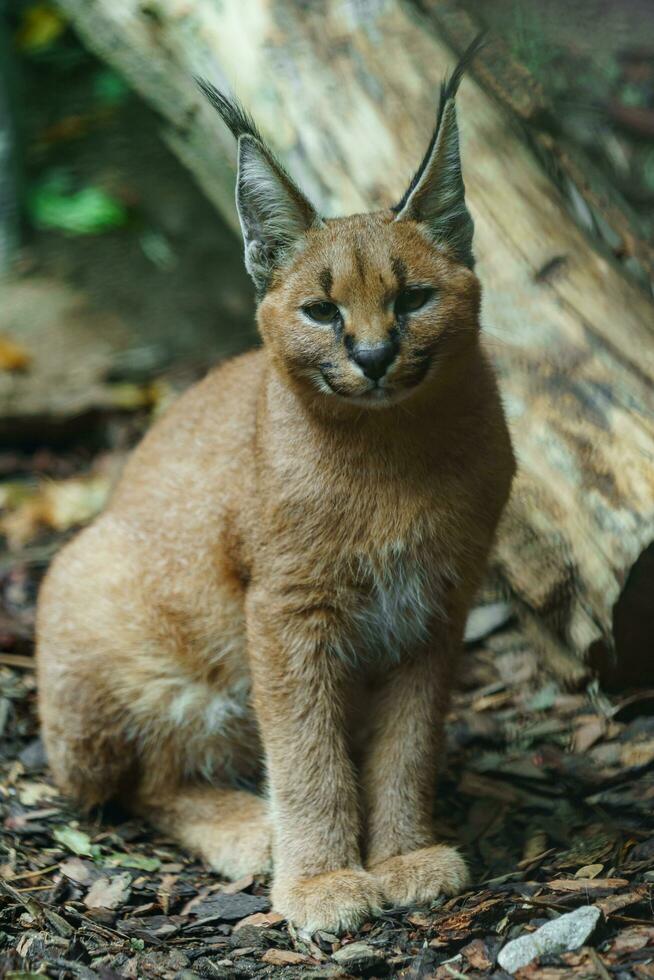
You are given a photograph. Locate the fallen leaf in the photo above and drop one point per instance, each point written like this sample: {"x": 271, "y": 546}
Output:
{"x": 109, "y": 893}
{"x": 284, "y": 957}
{"x": 13, "y": 357}
{"x": 41, "y": 25}
{"x": 589, "y": 871}
{"x": 79, "y": 871}
{"x": 139, "y": 861}
{"x": 73, "y": 502}
{"x": 57, "y": 504}
{"x": 31, "y": 793}
{"x": 76, "y": 841}
{"x": 129, "y": 396}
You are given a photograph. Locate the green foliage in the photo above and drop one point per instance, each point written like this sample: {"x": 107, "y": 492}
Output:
{"x": 109, "y": 88}
{"x": 22, "y": 975}
{"x": 53, "y": 203}
{"x": 76, "y": 840}
{"x": 139, "y": 861}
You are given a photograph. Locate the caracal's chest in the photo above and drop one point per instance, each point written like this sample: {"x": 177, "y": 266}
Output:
{"x": 387, "y": 561}
{"x": 396, "y": 596}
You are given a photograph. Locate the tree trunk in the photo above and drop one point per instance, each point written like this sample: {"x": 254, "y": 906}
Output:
{"x": 346, "y": 94}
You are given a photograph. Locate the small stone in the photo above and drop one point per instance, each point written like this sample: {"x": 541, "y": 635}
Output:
{"x": 357, "y": 957}
{"x": 561, "y": 935}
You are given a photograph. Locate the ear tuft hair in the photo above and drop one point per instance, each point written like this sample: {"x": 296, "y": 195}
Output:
{"x": 273, "y": 212}
{"x": 448, "y": 92}
{"x": 236, "y": 118}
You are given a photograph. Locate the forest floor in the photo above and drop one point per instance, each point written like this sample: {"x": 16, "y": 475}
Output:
{"x": 549, "y": 793}
{"x": 120, "y": 299}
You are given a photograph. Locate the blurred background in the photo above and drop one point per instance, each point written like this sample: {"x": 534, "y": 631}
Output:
{"x": 121, "y": 282}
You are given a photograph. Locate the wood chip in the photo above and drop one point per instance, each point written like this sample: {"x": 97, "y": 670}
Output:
{"x": 284, "y": 957}
{"x": 587, "y": 884}
{"x": 613, "y": 903}
{"x": 263, "y": 920}
{"x": 109, "y": 893}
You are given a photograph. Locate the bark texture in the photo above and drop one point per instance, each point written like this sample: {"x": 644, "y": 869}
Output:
{"x": 346, "y": 93}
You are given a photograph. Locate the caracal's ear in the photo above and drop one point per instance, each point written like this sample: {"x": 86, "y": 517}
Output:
{"x": 436, "y": 195}
{"x": 273, "y": 212}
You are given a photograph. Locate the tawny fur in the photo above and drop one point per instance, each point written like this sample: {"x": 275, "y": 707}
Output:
{"x": 279, "y": 585}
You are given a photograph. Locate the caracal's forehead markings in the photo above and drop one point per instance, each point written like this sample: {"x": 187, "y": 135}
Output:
{"x": 354, "y": 262}
{"x": 365, "y": 260}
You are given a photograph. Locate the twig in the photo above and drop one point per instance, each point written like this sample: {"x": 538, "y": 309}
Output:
{"x": 33, "y": 874}
{"x": 566, "y": 908}
{"x": 455, "y": 973}
{"x": 17, "y": 660}
{"x": 598, "y": 964}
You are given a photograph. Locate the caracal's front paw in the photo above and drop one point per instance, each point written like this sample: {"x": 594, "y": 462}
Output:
{"x": 421, "y": 876}
{"x": 336, "y": 901}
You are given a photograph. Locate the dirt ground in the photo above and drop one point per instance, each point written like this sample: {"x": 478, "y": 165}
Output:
{"x": 549, "y": 792}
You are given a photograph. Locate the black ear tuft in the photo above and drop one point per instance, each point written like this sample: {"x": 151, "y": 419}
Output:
{"x": 449, "y": 88}
{"x": 273, "y": 212}
{"x": 232, "y": 113}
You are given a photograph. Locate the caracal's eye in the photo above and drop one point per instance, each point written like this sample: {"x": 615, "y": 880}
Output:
{"x": 323, "y": 312}
{"x": 412, "y": 299}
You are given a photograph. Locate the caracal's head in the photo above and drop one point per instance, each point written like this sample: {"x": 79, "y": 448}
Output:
{"x": 370, "y": 308}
